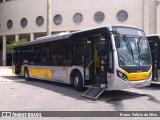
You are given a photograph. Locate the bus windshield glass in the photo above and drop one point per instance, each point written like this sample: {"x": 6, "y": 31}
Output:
{"x": 132, "y": 50}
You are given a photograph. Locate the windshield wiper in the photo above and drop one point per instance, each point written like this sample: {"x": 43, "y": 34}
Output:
{"x": 128, "y": 46}
{"x": 139, "y": 49}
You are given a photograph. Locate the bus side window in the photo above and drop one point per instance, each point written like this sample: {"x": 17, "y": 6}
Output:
{"x": 54, "y": 52}
{"x": 44, "y": 54}
{"x": 77, "y": 51}
{"x": 35, "y": 55}
{"x": 25, "y": 55}
{"x": 66, "y": 52}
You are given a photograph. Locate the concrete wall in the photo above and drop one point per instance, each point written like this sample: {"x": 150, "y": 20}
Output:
{"x": 16, "y": 10}
{"x": 158, "y": 17}
{"x": 141, "y": 13}
{"x": 0, "y": 57}
{"x": 88, "y": 8}
{"x": 144, "y": 14}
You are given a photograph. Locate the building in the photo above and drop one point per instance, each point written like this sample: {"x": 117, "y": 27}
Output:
{"x": 28, "y": 18}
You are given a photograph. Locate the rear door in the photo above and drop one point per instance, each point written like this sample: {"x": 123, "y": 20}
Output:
{"x": 154, "y": 53}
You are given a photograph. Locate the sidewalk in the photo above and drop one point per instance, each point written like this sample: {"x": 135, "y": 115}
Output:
{"x": 6, "y": 71}
{"x": 6, "y": 75}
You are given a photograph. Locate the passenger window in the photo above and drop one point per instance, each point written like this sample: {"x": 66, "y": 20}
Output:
{"x": 54, "y": 46}
{"x": 35, "y": 55}
{"x": 44, "y": 54}
{"x": 61, "y": 53}
{"x": 78, "y": 51}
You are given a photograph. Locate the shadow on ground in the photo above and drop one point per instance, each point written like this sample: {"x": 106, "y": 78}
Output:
{"x": 116, "y": 98}
{"x": 12, "y": 77}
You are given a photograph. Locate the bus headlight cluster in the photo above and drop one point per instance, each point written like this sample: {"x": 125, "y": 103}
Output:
{"x": 121, "y": 75}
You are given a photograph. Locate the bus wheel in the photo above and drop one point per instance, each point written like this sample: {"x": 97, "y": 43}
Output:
{"x": 26, "y": 74}
{"x": 78, "y": 81}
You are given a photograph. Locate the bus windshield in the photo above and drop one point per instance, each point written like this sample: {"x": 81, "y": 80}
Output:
{"x": 132, "y": 50}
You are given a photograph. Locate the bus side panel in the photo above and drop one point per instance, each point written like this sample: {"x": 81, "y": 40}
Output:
{"x": 40, "y": 72}
{"x": 159, "y": 75}
{"x": 22, "y": 70}
{"x": 52, "y": 73}
{"x": 13, "y": 69}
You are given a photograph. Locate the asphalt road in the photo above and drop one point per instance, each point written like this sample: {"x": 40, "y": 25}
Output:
{"x": 16, "y": 94}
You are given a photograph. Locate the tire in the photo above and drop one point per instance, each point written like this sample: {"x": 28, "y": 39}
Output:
{"x": 26, "y": 74}
{"x": 78, "y": 81}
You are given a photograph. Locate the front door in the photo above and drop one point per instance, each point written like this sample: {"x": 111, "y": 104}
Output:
{"x": 95, "y": 60}
{"x": 88, "y": 62}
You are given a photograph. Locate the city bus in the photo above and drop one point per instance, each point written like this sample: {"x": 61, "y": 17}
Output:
{"x": 107, "y": 57}
{"x": 154, "y": 42}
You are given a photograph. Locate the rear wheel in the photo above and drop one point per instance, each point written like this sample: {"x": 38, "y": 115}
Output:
{"x": 78, "y": 81}
{"x": 26, "y": 74}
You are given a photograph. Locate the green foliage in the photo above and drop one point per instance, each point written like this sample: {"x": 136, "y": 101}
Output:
{"x": 12, "y": 43}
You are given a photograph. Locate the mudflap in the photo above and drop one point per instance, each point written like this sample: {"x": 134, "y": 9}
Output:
{"x": 93, "y": 92}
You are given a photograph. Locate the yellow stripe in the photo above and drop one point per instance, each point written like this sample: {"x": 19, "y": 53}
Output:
{"x": 13, "y": 69}
{"x": 138, "y": 76}
{"x": 22, "y": 70}
{"x": 40, "y": 72}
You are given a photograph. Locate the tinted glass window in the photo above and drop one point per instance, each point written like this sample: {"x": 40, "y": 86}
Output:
{"x": 61, "y": 52}
{"x": 45, "y": 59}
{"x": 78, "y": 51}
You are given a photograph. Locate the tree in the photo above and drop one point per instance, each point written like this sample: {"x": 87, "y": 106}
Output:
{"x": 12, "y": 43}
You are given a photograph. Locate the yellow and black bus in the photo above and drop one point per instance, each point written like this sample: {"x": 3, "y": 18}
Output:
{"x": 110, "y": 57}
{"x": 154, "y": 42}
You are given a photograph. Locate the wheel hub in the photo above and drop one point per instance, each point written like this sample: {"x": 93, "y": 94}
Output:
{"x": 76, "y": 81}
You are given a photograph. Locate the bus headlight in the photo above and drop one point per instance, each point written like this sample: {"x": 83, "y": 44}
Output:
{"x": 121, "y": 75}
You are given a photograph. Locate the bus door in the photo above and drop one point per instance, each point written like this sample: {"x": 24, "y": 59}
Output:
{"x": 17, "y": 61}
{"x": 96, "y": 55}
{"x": 95, "y": 51}
{"x": 103, "y": 52}
{"x": 88, "y": 61}
{"x": 154, "y": 51}
{"x": 155, "y": 62}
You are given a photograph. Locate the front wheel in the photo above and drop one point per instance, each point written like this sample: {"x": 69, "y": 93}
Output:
{"x": 26, "y": 74}
{"x": 78, "y": 81}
